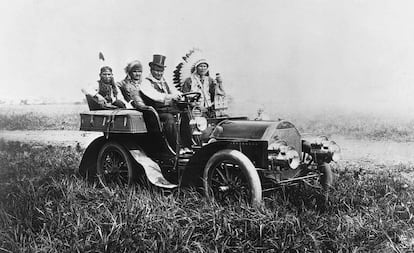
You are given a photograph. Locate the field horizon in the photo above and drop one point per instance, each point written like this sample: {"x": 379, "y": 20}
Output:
{"x": 326, "y": 121}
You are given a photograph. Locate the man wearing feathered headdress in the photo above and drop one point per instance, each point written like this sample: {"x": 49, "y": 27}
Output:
{"x": 200, "y": 81}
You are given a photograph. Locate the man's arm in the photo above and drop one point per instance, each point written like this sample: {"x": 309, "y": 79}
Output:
{"x": 121, "y": 98}
{"x": 150, "y": 92}
{"x": 90, "y": 90}
{"x": 176, "y": 93}
{"x": 93, "y": 91}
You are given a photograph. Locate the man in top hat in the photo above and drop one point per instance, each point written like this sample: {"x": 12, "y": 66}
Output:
{"x": 130, "y": 86}
{"x": 158, "y": 94}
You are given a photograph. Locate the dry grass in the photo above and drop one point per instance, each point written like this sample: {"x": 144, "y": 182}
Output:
{"x": 45, "y": 208}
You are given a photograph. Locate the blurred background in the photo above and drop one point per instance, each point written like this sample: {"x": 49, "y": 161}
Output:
{"x": 286, "y": 56}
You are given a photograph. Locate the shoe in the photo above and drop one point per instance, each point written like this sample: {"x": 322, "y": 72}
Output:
{"x": 186, "y": 151}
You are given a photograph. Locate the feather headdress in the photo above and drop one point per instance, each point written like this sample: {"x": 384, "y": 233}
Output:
{"x": 185, "y": 68}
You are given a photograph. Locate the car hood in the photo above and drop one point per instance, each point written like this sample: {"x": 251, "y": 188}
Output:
{"x": 258, "y": 130}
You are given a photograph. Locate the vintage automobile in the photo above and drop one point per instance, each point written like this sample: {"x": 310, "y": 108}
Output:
{"x": 234, "y": 158}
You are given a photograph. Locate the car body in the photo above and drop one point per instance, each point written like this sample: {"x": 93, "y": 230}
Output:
{"x": 234, "y": 158}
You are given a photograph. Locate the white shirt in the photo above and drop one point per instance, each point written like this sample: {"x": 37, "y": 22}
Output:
{"x": 148, "y": 89}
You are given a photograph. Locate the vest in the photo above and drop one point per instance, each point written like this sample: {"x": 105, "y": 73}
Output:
{"x": 160, "y": 107}
{"x": 108, "y": 91}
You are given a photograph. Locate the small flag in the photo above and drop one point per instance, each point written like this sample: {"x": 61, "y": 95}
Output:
{"x": 101, "y": 56}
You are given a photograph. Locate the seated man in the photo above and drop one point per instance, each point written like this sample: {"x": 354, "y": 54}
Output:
{"x": 107, "y": 95}
{"x": 200, "y": 81}
{"x": 158, "y": 94}
{"x": 130, "y": 86}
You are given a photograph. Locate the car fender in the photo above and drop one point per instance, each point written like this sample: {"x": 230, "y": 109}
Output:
{"x": 87, "y": 167}
{"x": 151, "y": 169}
{"x": 253, "y": 149}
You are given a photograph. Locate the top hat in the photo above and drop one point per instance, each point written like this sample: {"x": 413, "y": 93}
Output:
{"x": 158, "y": 61}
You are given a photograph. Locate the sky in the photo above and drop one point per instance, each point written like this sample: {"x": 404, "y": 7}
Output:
{"x": 350, "y": 54}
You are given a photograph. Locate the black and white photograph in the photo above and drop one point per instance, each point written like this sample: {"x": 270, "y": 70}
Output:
{"x": 207, "y": 126}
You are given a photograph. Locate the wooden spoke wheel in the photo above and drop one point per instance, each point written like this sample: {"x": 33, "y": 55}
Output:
{"x": 230, "y": 177}
{"x": 114, "y": 165}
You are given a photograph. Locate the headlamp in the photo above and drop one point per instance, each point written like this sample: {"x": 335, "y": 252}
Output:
{"x": 335, "y": 150}
{"x": 329, "y": 146}
{"x": 320, "y": 140}
{"x": 280, "y": 146}
{"x": 293, "y": 157}
{"x": 196, "y": 112}
{"x": 284, "y": 152}
{"x": 201, "y": 123}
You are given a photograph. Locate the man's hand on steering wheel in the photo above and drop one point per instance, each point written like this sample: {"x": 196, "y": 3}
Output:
{"x": 192, "y": 96}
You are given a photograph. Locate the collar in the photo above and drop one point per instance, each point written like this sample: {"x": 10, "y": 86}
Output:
{"x": 152, "y": 78}
{"x": 108, "y": 84}
{"x": 129, "y": 80}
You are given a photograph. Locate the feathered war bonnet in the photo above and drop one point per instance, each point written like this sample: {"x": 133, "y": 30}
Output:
{"x": 198, "y": 62}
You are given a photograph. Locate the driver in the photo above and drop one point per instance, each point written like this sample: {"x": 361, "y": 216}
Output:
{"x": 158, "y": 94}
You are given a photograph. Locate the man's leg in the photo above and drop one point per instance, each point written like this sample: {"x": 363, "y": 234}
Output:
{"x": 169, "y": 128}
{"x": 119, "y": 104}
{"x": 185, "y": 131}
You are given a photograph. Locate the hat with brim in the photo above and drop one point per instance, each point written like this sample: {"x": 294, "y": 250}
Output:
{"x": 158, "y": 62}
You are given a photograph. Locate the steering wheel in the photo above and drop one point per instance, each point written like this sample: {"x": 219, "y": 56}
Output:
{"x": 192, "y": 96}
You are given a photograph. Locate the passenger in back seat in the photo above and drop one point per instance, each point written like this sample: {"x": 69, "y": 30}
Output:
{"x": 107, "y": 95}
{"x": 130, "y": 86}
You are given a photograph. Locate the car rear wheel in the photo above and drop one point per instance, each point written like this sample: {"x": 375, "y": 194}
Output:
{"x": 230, "y": 177}
{"x": 114, "y": 165}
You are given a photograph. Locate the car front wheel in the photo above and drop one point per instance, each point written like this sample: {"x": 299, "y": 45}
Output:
{"x": 230, "y": 177}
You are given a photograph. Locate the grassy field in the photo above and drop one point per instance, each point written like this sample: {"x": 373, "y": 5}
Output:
{"x": 39, "y": 117}
{"x": 44, "y": 207}
{"x": 356, "y": 125}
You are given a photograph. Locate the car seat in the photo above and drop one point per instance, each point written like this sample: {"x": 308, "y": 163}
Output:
{"x": 94, "y": 105}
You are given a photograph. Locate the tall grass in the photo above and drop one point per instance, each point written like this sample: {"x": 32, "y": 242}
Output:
{"x": 45, "y": 208}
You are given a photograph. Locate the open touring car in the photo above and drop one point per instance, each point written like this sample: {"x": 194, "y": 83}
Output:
{"x": 234, "y": 158}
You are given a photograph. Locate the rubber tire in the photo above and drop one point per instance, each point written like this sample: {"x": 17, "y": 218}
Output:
{"x": 326, "y": 178}
{"x": 247, "y": 168}
{"x": 326, "y": 181}
{"x": 126, "y": 156}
